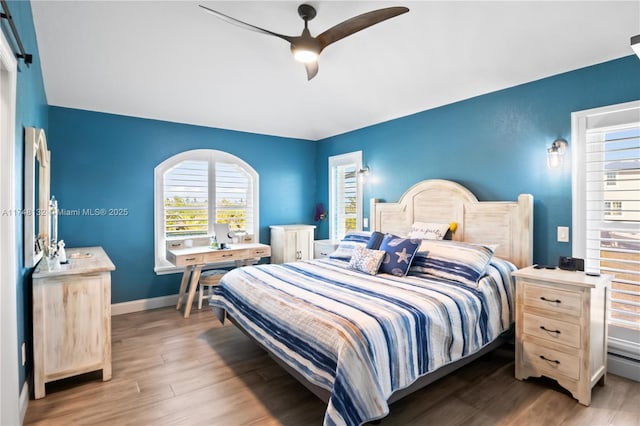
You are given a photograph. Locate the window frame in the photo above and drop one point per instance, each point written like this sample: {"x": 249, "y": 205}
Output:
{"x": 620, "y": 339}
{"x": 161, "y": 264}
{"x": 354, "y": 158}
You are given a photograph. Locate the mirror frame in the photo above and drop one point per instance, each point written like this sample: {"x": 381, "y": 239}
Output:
{"x": 35, "y": 150}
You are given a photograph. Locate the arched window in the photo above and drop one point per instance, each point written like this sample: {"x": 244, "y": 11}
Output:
{"x": 194, "y": 190}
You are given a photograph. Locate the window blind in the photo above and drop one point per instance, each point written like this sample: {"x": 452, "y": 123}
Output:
{"x": 345, "y": 199}
{"x": 234, "y": 203}
{"x": 613, "y": 216}
{"x": 186, "y": 194}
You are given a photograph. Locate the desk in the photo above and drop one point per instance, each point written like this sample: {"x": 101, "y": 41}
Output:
{"x": 195, "y": 258}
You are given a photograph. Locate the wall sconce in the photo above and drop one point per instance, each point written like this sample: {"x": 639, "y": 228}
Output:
{"x": 635, "y": 44}
{"x": 364, "y": 171}
{"x": 555, "y": 154}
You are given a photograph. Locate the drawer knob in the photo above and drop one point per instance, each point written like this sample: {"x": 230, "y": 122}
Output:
{"x": 190, "y": 259}
{"x": 555, "y": 361}
{"x": 549, "y": 331}
{"x": 549, "y": 300}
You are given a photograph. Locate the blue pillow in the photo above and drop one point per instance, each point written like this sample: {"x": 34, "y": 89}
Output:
{"x": 454, "y": 260}
{"x": 399, "y": 254}
{"x": 348, "y": 243}
{"x": 375, "y": 240}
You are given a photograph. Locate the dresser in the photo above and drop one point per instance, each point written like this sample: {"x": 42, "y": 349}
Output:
{"x": 561, "y": 328}
{"x": 72, "y": 317}
{"x": 291, "y": 243}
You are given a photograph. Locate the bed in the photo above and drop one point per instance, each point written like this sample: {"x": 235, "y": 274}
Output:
{"x": 361, "y": 342}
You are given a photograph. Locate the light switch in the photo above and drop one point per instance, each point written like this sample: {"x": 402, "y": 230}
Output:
{"x": 365, "y": 222}
{"x": 563, "y": 234}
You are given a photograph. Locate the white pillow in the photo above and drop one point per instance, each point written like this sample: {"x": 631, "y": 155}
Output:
{"x": 428, "y": 231}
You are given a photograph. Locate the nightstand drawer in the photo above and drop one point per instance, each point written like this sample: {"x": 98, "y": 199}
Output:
{"x": 552, "y": 330}
{"x": 553, "y": 299}
{"x": 323, "y": 248}
{"x": 551, "y": 362}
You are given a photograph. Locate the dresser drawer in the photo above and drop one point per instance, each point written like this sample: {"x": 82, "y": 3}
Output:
{"x": 551, "y": 362}
{"x": 261, "y": 252}
{"x": 553, "y": 299}
{"x": 195, "y": 259}
{"x": 222, "y": 255}
{"x": 173, "y": 245}
{"x": 551, "y": 329}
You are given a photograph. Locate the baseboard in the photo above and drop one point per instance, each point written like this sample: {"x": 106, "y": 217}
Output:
{"x": 623, "y": 366}
{"x": 143, "y": 304}
{"x": 24, "y": 400}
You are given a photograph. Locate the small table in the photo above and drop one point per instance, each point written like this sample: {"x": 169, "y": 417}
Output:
{"x": 561, "y": 328}
{"x": 195, "y": 258}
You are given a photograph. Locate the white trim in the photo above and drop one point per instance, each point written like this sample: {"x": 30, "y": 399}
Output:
{"x": 623, "y": 353}
{"x": 341, "y": 160}
{"x": 625, "y": 347}
{"x": 161, "y": 264}
{"x": 581, "y": 121}
{"x": 36, "y": 154}
{"x": 9, "y": 365}
{"x": 24, "y": 400}
{"x": 143, "y": 304}
{"x": 165, "y": 270}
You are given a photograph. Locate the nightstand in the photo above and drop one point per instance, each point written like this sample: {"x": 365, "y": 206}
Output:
{"x": 323, "y": 248}
{"x": 561, "y": 328}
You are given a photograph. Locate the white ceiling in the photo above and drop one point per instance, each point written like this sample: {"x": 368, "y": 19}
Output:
{"x": 170, "y": 60}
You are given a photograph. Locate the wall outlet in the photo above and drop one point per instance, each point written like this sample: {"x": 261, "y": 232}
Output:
{"x": 365, "y": 222}
{"x": 24, "y": 353}
{"x": 563, "y": 234}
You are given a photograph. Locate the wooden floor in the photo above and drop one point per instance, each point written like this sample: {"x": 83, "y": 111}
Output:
{"x": 168, "y": 370}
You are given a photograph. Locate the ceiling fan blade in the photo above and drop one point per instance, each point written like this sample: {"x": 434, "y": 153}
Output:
{"x": 244, "y": 25}
{"x": 358, "y": 23}
{"x": 312, "y": 69}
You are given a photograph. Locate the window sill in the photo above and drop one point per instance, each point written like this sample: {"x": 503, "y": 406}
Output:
{"x": 165, "y": 270}
{"x": 170, "y": 269}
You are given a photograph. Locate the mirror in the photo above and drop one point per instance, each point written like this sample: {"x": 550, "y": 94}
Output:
{"x": 37, "y": 162}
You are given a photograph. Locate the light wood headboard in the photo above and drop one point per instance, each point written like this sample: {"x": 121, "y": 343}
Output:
{"x": 507, "y": 224}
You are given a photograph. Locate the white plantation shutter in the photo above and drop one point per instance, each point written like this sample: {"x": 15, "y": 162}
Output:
{"x": 195, "y": 189}
{"x": 186, "y": 195}
{"x": 346, "y": 199}
{"x": 345, "y": 194}
{"x": 613, "y": 216}
{"x": 234, "y": 203}
{"x": 606, "y": 218}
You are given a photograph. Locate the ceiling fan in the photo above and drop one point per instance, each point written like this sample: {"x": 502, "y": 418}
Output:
{"x": 306, "y": 48}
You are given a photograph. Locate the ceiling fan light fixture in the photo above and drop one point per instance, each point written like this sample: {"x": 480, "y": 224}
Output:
{"x": 305, "y": 55}
{"x": 306, "y": 48}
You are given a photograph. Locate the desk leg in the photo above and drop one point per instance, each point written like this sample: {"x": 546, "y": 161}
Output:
{"x": 195, "y": 277}
{"x": 183, "y": 285}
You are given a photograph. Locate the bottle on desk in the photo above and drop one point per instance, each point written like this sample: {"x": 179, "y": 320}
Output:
{"x": 213, "y": 242}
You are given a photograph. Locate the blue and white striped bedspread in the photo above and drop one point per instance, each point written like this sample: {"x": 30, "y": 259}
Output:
{"x": 363, "y": 337}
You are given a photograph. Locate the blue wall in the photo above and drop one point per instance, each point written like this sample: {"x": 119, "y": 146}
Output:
{"x": 31, "y": 111}
{"x": 494, "y": 144}
{"x": 107, "y": 161}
